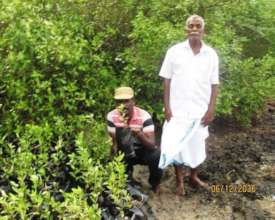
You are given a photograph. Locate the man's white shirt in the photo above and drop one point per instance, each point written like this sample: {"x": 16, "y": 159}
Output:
{"x": 191, "y": 78}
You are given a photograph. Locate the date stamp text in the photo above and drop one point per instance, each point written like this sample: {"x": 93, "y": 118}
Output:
{"x": 233, "y": 188}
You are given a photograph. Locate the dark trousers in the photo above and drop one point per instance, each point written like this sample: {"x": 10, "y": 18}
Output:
{"x": 149, "y": 157}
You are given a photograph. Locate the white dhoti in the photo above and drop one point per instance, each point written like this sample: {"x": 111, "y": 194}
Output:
{"x": 183, "y": 142}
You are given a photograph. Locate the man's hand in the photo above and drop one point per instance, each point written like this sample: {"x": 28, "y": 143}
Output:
{"x": 168, "y": 114}
{"x": 136, "y": 131}
{"x": 208, "y": 117}
{"x": 147, "y": 139}
{"x": 114, "y": 147}
{"x": 113, "y": 151}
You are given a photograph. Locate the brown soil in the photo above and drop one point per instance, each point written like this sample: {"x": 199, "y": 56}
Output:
{"x": 235, "y": 156}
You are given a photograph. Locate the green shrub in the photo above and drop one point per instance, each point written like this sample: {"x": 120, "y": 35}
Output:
{"x": 59, "y": 64}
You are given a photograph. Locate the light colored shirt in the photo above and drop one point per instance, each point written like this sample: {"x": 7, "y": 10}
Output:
{"x": 141, "y": 119}
{"x": 191, "y": 78}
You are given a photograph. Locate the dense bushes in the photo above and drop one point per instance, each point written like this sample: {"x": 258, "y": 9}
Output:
{"x": 65, "y": 58}
{"x": 239, "y": 31}
{"x": 55, "y": 77}
{"x": 43, "y": 175}
{"x": 60, "y": 62}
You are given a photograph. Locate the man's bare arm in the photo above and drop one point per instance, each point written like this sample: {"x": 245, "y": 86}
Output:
{"x": 166, "y": 98}
{"x": 147, "y": 139}
{"x": 209, "y": 115}
{"x": 114, "y": 146}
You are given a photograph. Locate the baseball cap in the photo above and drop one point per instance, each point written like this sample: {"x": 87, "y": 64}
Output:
{"x": 124, "y": 93}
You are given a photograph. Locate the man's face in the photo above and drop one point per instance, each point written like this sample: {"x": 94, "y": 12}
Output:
{"x": 194, "y": 29}
{"x": 128, "y": 104}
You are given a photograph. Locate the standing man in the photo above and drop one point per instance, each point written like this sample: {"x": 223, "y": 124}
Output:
{"x": 133, "y": 132}
{"x": 190, "y": 81}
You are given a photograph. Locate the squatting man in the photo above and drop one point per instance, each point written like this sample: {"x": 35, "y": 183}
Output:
{"x": 132, "y": 131}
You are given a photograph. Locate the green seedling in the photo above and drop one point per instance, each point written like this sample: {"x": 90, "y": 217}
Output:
{"x": 123, "y": 113}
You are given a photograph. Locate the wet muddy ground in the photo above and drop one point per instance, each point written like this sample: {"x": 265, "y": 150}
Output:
{"x": 238, "y": 161}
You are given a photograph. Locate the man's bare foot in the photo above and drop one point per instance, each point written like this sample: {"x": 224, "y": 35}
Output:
{"x": 156, "y": 189}
{"x": 179, "y": 178}
{"x": 195, "y": 181}
{"x": 180, "y": 190}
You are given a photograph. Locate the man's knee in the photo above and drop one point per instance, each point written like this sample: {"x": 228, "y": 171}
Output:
{"x": 155, "y": 155}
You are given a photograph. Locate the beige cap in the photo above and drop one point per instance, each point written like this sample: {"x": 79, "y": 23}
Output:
{"x": 124, "y": 93}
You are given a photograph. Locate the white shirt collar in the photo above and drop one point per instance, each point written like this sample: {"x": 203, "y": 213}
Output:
{"x": 187, "y": 45}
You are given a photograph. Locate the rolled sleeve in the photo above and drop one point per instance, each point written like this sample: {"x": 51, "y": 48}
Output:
{"x": 148, "y": 125}
{"x": 110, "y": 124}
{"x": 214, "y": 79}
{"x": 166, "y": 68}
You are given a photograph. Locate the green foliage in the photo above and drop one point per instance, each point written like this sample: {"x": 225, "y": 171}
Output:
{"x": 96, "y": 176}
{"x": 54, "y": 54}
{"x": 116, "y": 182}
{"x": 244, "y": 92}
{"x": 32, "y": 203}
{"x": 75, "y": 206}
{"x": 35, "y": 169}
{"x": 25, "y": 202}
{"x": 241, "y": 33}
{"x": 59, "y": 64}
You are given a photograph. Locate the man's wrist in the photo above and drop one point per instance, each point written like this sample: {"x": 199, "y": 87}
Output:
{"x": 139, "y": 133}
{"x": 136, "y": 131}
{"x": 211, "y": 109}
{"x": 166, "y": 108}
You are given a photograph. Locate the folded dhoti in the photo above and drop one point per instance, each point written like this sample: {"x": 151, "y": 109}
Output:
{"x": 183, "y": 142}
